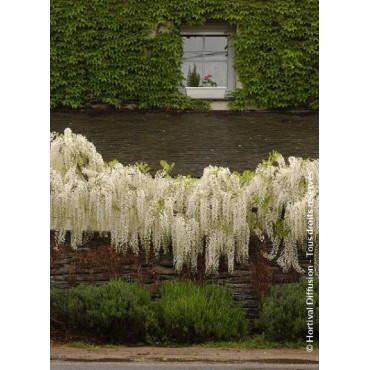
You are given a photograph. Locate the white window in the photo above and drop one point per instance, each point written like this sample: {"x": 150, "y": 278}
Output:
{"x": 209, "y": 48}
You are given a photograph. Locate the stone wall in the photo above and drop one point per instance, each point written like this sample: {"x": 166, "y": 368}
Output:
{"x": 97, "y": 262}
{"x": 194, "y": 141}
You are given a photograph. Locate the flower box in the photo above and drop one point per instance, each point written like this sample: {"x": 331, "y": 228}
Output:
{"x": 206, "y": 92}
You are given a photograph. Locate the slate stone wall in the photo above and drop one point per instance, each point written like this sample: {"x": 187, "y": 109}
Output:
{"x": 97, "y": 262}
{"x": 194, "y": 141}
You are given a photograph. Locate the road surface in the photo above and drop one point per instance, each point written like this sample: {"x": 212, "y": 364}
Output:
{"x": 61, "y": 365}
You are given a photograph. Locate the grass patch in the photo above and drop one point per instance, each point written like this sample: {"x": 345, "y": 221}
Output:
{"x": 85, "y": 345}
{"x": 257, "y": 342}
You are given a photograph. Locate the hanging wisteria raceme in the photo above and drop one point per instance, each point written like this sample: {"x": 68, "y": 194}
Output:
{"x": 213, "y": 215}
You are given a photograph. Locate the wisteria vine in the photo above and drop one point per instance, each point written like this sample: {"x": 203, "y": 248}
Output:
{"x": 213, "y": 215}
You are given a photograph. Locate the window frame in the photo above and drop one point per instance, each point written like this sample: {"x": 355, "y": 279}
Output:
{"x": 212, "y": 30}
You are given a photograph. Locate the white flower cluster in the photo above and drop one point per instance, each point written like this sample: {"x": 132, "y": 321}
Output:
{"x": 214, "y": 215}
{"x": 279, "y": 192}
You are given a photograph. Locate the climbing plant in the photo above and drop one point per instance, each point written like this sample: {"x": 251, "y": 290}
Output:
{"x": 118, "y": 51}
{"x": 212, "y": 216}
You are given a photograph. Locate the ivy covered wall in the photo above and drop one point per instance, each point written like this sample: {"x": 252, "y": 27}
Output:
{"x": 118, "y": 51}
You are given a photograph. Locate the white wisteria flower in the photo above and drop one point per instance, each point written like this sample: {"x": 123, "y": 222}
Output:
{"x": 214, "y": 215}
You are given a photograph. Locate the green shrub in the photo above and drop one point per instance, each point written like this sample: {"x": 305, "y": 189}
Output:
{"x": 284, "y": 313}
{"x": 189, "y": 313}
{"x": 193, "y": 78}
{"x": 116, "y": 312}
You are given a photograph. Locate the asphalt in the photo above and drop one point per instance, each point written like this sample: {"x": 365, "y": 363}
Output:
{"x": 62, "y": 365}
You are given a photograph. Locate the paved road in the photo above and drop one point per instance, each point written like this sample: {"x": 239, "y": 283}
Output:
{"x": 195, "y": 140}
{"x": 59, "y": 365}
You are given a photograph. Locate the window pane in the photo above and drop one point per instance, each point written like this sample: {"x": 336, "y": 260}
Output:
{"x": 195, "y": 56}
{"x": 215, "y": 56}
{"x": 186, "y": 66}
{"x": 193, "y": 43}
{"x": 216, "y": 43}
{"x": 218, "y": 71}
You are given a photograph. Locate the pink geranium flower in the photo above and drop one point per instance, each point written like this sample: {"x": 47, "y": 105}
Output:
{"x": 207, "y": 82}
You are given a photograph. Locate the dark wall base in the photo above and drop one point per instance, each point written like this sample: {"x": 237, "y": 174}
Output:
{"x": 97, "y": 263}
